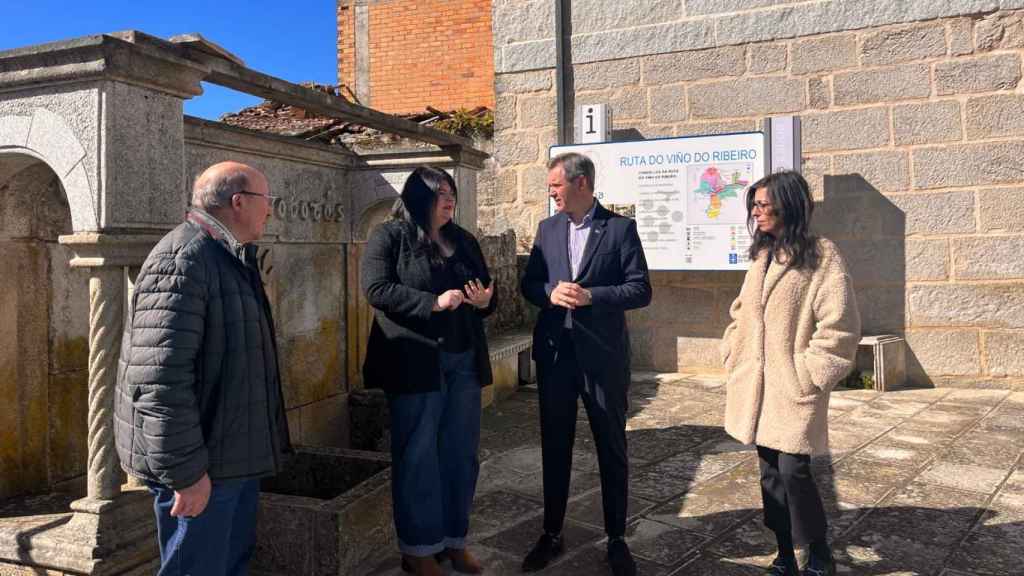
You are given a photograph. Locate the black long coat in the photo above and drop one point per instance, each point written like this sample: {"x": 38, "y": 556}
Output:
{"x": 402, "y": 355}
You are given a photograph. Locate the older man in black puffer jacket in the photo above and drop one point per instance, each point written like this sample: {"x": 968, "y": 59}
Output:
{"x": 199, "y": 412}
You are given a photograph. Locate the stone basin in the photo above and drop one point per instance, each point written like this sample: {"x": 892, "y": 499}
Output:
{"x": 329, "y": 512}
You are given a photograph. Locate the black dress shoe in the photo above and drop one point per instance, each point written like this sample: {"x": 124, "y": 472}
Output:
{"x": 620, "y": 559}
{"x": 783, "y": 566}
{"x": 544, "y": 551}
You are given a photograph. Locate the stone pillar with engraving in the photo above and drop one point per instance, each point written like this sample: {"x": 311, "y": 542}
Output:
{"x": 105, "y": 114}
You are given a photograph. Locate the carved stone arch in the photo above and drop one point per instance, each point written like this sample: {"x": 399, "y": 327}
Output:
{"x": 370, "y": 216}
{"x": 48, "y": 138}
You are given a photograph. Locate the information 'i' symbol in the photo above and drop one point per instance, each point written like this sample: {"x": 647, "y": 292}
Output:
{"x": 590, "y": 121}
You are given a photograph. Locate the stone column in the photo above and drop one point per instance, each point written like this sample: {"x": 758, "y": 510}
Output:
{"x": 111, "y": 517}
{"x": 106, "y": 325}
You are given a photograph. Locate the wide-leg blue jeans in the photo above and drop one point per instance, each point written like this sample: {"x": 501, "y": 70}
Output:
{"x": 218, "y": 542}
{"x": 434, "y": 441}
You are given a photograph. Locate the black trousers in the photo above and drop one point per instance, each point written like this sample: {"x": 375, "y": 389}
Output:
{"x": 605, "y": 400}
{"x": 792, "y": 504}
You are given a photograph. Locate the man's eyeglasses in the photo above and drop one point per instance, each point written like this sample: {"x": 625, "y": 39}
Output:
{"x": 267, "y": 196}
{"x": 762, "y": 206}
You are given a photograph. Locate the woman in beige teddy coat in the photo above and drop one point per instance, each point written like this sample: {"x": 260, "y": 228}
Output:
{"x": 793, "y": 336}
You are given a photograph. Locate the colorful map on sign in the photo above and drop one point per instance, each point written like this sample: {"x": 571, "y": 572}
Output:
{"x": 718, "y": 193}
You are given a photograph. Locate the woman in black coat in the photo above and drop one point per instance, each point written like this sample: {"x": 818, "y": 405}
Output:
{"x": 428, "y": 284}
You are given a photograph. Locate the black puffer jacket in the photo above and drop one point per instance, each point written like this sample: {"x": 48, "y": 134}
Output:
{"x": 198, "y": 388}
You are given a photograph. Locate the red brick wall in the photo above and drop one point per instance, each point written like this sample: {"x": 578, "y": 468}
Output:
{"x": 422, "y": 53}
{"x": 347, "y": 46}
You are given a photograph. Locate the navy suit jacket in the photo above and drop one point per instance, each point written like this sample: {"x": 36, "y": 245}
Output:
{"x": 613, "y": 268}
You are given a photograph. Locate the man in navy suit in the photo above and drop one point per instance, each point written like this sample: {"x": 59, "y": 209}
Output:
{"x": 586, "y": 269}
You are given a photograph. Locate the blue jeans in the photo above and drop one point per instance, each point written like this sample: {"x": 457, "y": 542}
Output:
{"x": 434, "y": 442}
{"x": 218, "y": 542}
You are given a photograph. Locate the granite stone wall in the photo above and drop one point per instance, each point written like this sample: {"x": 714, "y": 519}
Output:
{"x": 912, "y": 141}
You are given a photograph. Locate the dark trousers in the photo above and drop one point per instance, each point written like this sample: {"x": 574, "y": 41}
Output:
{"x": 435, "y": 437}
{"x": 792, "y": 504}
{"x": 605, "y": 399}
{"x": 218, "y": 542}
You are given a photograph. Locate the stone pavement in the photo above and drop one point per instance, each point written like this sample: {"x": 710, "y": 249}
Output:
{"x": 927, "y": 481}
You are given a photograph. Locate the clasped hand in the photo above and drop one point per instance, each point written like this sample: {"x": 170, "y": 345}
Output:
{"x": 570, "y": 295}
{"x": 473, "y": 292}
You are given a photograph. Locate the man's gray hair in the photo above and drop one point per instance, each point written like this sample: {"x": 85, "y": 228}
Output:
{"x": 216, "y": 191}
{"x": 574, "y": 165}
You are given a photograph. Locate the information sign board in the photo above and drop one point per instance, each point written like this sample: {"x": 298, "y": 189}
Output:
{"x": 688, "y": 195}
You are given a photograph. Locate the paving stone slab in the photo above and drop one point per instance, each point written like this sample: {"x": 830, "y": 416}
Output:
{"x": 751, "y": 542}
{"x": 923, "y": 495}
{"x": 862, "y": 395}
{"x": 982, "y": 397}
{"x": 1006, "y": 508}
{"x": 876, "y": 417}
{"x": 589, "y": 510}
{"x": 964, "y": 476}
{"x": 714, "y": 506}
{"x": 579, "y": 482}
{"x": 519, "y": 539}
{"x": 864, "y": 469}
{"x": 851, "y": 490}
{"x": 512, "y": 438}
{"x": 993, "y": 550}
{"x": 843, "y": 403}
{"x": 1015, "y": 482}
{"x": 943, "y": 431}
{"x": 992, "y": 448}
{"x": 653, "y": 444}
{"x": 929, "y": 395}
{"x": 493, "y": 477}
{"x": 662, "y": 480}
{"x": 926, "y": 526}
{"x": 898, "y": 406}
{"x": 593, "y": 560}
{"x": 888, "y": 449}
{"x": 526, "y": 460}
{"x": 710, "y": 565}
{"x": 1004, "y": 419}
{"x": 662, "y": 544}
{"x": 887, "y": 554}
{"x": 496, "y": 511}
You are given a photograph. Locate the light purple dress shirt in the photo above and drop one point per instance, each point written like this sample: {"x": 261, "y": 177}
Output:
{"x": 578, "y": 235}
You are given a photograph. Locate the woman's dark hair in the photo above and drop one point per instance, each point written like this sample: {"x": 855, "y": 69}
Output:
{"x": 416, "y": 204}
{"x": 792, "y": 206}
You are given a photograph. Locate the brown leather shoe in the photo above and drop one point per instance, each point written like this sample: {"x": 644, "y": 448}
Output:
{"x": 421, "y": 565}
{"x": 463, "y": 561}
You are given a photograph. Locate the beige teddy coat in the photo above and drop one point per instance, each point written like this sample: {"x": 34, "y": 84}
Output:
{"x": 793, "y": 336}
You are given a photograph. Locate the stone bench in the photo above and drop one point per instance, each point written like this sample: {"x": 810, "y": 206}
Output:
{"x": 510, "y": 362}
{"x": 884, "y": 355}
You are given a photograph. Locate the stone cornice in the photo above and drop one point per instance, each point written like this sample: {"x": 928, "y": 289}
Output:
{"x": 130, "y": 57}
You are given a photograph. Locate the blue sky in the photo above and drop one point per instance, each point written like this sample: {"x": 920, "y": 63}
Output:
{"x": 291, "y": 39}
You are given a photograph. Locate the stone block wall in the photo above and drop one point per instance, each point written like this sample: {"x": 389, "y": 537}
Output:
{"x": 912, "y": 139}
{"x": 500, "y": 253}
{"x": 401, "y": 56}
